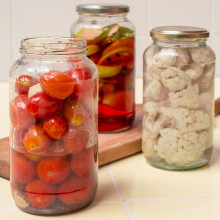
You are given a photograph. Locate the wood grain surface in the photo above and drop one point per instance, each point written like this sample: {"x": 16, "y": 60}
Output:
{"x": 112, "y": 146}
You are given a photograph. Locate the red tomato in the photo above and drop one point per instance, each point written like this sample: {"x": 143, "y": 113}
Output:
{"x": 22, "y": 170}
{"x": 23, "y": 83}
{"x": 83, "y": 86}
{"x": 18, "y": 138}
{"x": 73, "y": 111}
{"x": 42, "y": 106}
{"x": 57, "y": 84}
{"x": 41, "y": 195}
{"x": 76, "y": 140}
{"x": 75, "y": 190}
{"x": 53, "y": 170}
{"x": 13, "y": 114}
{"x": 35, "y": 140}
{"x": 55, "y": 127}
{"x": 24, "y": 119}
{"x": 82, "y": 163}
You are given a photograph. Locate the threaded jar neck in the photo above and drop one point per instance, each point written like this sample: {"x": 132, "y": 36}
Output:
{"x": 53, "y": 46}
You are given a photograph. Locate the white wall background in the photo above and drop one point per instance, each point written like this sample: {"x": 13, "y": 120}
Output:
{"x": 31, "y": 18}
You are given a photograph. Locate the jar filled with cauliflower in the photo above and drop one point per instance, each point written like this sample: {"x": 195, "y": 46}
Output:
{"x": 178, "y": 98}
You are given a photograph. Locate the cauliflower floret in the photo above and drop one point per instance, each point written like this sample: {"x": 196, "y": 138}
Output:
{"x": 202, "y": 54}
{"x": 177, "y": 148}
{"x": 165, "y": 58}
{"x": 207, "y": 102}
{"x": 195, "y": 71}
{"x": 153, "y": 90}
{"x": 186, "y": 98}
{"x": 153, "y": 122}
{"x": 182, "y": 57}
{"x": 206, "y": 80}
{"x": 190, "y": 120}
{"x": 151, "y": 51}
{"x": 174, "y": 79}
{"x": 151, "y": 110}
{"x": 148, "y": 145}
{"x": 153, "y": 72}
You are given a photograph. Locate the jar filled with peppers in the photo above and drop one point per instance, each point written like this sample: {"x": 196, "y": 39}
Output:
{"x": 111, "y": 46}
{"x": 53, "y": 134}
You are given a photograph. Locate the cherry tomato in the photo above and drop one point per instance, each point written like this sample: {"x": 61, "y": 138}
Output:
{"x": 57, "y": 84}
{"x": 83, "y": 86}
{"x": 22, "y": 170}
{"x": 24, "y": 119}
{"x": 13, "y": 114}
{"x": 40, "y": 195}
{"x": 23, "y": 83}
{"x": 18, "y": 138}
{"x": 42, "y": 106}
{"x": 53, "y": 170}
{"x": 73, "y": 112}
{"x": 35, "y": 140}
{"x": 76, "y": 140}
{"x": 82, "y": 163}
{"x": 57, "y": 147}
{"x": 75, "y": 190}
{"x": 55, "y": 127}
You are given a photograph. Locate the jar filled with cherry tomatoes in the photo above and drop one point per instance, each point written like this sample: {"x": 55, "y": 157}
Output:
{"x": 111, "y": 46}
{"x": 53, "y": 134}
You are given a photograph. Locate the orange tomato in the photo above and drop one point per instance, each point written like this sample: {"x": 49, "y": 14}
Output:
{"x": 75, "y": 190}
{"x": 55, "y": 127}
{"x": 57, "y": 84}
{"x": 53, "y": 170}
{"x": 40, "y": 195}
{"x": 73, "y": 111}
{"x": 24, "y": 119}
{"x": 23, "y": 83}
{"x": 76, "y": 140}
{"x": 82, "y": 163}
{"x": 35, "y": 140}
{"x": 22, "y": 170}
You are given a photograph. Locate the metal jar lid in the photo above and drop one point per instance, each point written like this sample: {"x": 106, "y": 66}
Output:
{"x": 102, "y": 8}
{"x": 179, "y": 32}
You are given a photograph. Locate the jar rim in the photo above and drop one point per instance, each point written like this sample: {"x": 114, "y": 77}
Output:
{"x": 102, "y": 8}
{"x": 53, "y": 45}
{"x": 179, "y": 32}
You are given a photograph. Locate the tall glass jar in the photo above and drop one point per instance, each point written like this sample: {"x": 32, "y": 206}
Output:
{"x": 110, "y": 39}
{"x": 178, "y": 99}
{"x": 53, "y": 134}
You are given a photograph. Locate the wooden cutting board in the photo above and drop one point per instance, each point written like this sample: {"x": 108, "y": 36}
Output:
{"x": 111, "y": 147}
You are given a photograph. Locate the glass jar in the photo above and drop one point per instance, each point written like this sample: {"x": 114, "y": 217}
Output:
{"x": 111, "y": 46}
{"x": 53, "y": 134}
{"x": 178, "y": 98}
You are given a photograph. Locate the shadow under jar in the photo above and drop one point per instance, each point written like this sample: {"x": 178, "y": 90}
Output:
{"x": 178, "y": 97}
{"x": 53, "y": 132}
{"x": 111, "y": 46}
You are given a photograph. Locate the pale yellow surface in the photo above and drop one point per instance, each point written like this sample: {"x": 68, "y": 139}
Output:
{"x": 130, "y": 189}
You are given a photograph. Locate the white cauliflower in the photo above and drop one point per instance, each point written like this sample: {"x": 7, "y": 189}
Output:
{"x": 186, "y": 120}
{"x": 153, "y": 122}
{"x": 202, "y": 54}
{"x": 177, "y": 148}
{"x": 150, "y": 52}
{"x": 207, "y": 102}
{"x": 182, "y": 57}
{"x": 207, "y": 78}
{"x": 174, "y": 79}
{"x": 186, "y": 98}
{"x": 194, "y": 71}
{"x": 165, "y": 58}
{"x": 151, "y": 110}
{"x": 153, "y": 90}
{"x": 148, "y": 145}
{"x": 153, "y": 72}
